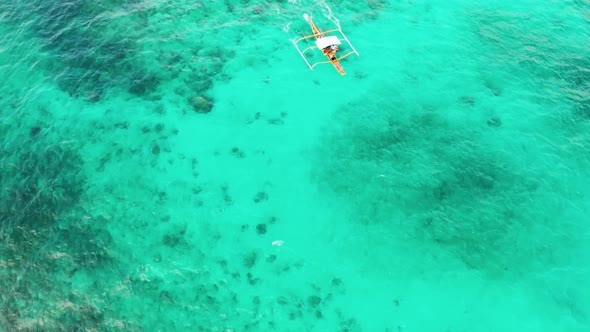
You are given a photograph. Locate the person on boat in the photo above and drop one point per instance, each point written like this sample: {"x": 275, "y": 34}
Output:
{"x": 331, "y": 48}
{"x": 330, "y": 51}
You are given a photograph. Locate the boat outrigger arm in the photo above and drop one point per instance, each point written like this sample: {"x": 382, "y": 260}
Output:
{"x": 327, "y": 43}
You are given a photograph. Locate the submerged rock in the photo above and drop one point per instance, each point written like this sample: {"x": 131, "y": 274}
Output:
{"x": 201, "y": 104}
{"x": 467, "y": 100}
{"x": 494, "y": 122}
{"x": 314, "y": 300}
{"x": 143, "y": 83}
{"x": 260, "y": 197}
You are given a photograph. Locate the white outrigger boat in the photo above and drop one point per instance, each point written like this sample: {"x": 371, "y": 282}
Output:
{"x": 327, "y": 43}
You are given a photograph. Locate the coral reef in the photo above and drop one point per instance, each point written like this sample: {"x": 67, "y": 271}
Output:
{"x": 43, "y": 243}
{"x": 471, "y": 199}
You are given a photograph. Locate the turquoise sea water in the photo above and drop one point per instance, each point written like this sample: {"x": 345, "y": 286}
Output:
{"x": 151, "y": 152}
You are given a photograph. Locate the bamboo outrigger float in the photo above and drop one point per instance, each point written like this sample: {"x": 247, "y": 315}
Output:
{"x": 327, "y": 43}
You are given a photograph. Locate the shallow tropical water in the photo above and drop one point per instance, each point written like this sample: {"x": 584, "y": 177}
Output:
{"x": 152, "y": 152}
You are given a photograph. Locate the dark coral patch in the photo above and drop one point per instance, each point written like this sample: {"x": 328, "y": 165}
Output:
{"x": 250, "y": 259}
{"x": 314, "y": 300}
{"x": 34, "y": 131}
{"x": 236, "y": 152}
{"x": 260, "y": 197}
{"x": 261, "y": 229}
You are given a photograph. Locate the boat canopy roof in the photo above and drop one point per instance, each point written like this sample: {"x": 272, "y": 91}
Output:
{"x": 324, "y": 42}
